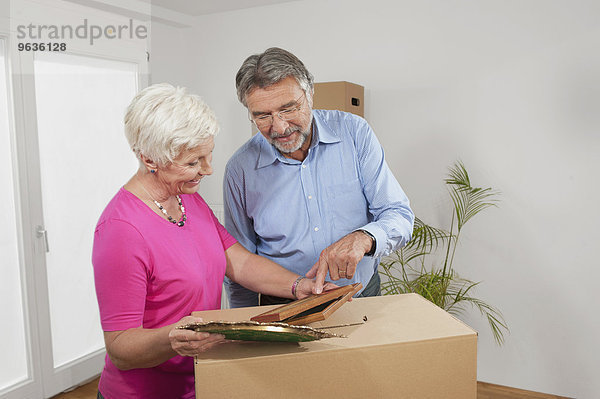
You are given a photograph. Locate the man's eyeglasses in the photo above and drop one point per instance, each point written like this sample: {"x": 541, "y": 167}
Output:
{"x": 265, "y": 121}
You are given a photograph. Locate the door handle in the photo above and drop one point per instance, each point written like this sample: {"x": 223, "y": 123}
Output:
{"x": 41, "y": 232}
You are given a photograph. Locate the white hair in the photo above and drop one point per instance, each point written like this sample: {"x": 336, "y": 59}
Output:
{"x": 163, "y": 120}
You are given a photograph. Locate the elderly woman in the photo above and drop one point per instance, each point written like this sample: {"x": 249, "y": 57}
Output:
{"x": 159, "y": 252}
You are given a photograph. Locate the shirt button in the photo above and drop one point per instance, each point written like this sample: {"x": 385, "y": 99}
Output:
{"x": 316, "y": 229}
{"x": 303, "y": 166}
{"x": 310, "y": 197}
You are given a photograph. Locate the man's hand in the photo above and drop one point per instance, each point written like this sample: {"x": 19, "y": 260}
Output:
{"x": 340, "y": 258}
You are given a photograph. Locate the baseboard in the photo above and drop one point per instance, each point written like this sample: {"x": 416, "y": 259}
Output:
{"x": 485, "y": 390}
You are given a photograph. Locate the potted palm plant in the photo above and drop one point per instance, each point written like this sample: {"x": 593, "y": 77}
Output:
{"x": 407, "y": 270}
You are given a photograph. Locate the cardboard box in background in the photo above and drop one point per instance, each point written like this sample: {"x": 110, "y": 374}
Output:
{"x": 343, "y": 96}
{"x": 408, "y": 348}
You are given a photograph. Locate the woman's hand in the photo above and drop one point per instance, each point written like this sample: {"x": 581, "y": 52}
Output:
{"x": 192, "y": 343}
{"x": 307, "y": 287}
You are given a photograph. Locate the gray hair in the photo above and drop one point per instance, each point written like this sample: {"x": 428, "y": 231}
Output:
{"x": 268, "y": 68}
{"x": 163, "y": 120}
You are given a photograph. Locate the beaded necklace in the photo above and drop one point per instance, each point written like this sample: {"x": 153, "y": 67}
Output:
{"x": 179, "y": 223}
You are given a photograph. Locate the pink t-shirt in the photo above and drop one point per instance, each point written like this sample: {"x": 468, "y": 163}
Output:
{"x": 151, "y": 273}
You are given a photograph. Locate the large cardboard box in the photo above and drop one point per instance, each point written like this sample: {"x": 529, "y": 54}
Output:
{"x": 344, "y": 96}
{"x": 408, "y": 348}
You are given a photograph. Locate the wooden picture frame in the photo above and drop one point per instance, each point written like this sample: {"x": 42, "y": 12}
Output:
{"x": 316, "y": 307}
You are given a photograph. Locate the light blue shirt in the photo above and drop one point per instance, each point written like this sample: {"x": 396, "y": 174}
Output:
{"x": 289, "y": 211}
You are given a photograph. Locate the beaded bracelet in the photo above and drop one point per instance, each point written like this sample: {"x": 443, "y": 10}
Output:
{"x": 295, "y": 285}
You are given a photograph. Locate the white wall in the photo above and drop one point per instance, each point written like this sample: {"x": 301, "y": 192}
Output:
{"x": 511, "y": 88}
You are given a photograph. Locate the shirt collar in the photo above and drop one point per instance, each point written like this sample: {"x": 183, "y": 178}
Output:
{"x": 322, "y": 134}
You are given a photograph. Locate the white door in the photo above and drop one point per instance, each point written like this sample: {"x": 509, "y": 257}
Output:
{"x": 84, "y": 158}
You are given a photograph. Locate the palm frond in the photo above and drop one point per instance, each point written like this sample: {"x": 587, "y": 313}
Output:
{"x": 468, "y": 200}
{"x": 426, "y": 237}
{"x": 494, "y": 317}
{"x": 425, "y": 240}
{"x": 458, "y": 176}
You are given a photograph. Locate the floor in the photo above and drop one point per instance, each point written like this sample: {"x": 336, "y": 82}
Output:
{"x": 484, "y": 391}
{"x": 87, "y": 391}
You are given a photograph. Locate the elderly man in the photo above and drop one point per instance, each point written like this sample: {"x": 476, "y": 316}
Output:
{"x": 312, "y": 191}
